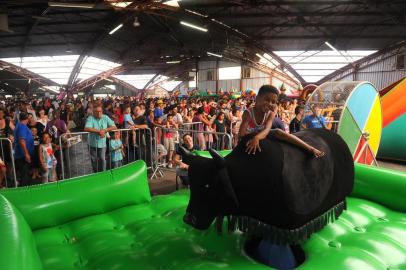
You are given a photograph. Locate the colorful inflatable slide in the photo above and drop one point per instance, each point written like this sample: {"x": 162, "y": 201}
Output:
{"x": 393, "y": 140}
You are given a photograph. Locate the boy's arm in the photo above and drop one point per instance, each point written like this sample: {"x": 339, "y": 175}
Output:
{"x": 244, "y": 125}
{"x": 253, "y": 144}
{"x": 282, "y": 135}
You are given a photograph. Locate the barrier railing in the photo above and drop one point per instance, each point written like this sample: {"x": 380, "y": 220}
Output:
{"x": 77, "y": 157}
{"x": 215, "y": 140}
{"x": 8, "y": 176}
{"x": 190, "y": 126}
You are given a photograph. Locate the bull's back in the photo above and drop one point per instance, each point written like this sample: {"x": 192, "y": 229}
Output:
{"x": 293, "y": 186}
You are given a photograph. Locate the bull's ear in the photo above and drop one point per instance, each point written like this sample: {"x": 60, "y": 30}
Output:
{"x": 187, "y": 156}
{"x": 218, "y": 160}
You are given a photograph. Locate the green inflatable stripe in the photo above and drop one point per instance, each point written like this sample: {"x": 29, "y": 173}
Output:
{"x": 384, "y": 186}
{"x": 349, "y": 131}
{"x": 393, "y": 141}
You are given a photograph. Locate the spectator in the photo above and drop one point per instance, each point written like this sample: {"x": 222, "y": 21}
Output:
{"x": 169, "y": 138}
{"x": 23, "y": 149}
{"x": 315, "y": 120}
{"x": 116, "y": 150}
{"x": 35, "y": 166}
{"x": 295, "y": 124}
{"x": 47, "y": 159}
{"x": 56, "y": 127}
{"x": 177, "y": 117}
{"x": 98, "y": 125}
{"x": 159, "y": 112}
{"x": 182, "y": 168}
{"x": 43, "y": 120}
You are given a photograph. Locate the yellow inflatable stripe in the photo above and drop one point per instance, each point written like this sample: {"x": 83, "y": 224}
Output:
{"x": 374, "y": 126}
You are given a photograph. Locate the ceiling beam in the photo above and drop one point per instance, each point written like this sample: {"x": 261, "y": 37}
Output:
{"x": 30, "y": 31}
{"x": 359, "y": 63}
{"x": 9, "y": 46}
{"x": 284, "y": 14}
{"x": 125, "y": 84}
{"x": 338, "y": 37}
{"x": 48, "y": 33}
{"x": 29, "y": 75}
{"x": 293, "y": 25}
{"x": 288, "y": 3}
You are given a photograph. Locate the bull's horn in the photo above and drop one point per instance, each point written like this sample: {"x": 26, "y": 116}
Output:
{"x": 219, "y": 160}
{"x": 187, "y": 156}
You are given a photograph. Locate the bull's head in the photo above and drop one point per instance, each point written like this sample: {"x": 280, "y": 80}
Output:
{"x": 210, "y": 189}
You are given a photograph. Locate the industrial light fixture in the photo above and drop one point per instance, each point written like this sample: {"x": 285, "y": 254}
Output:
{"x": 172, "y": 3}
{"x": 172, "y": 62}
{"x": 115, "y": 29}
{"x": 193, "y": 26}
{"x": 70, "y": 5}
{"x": 214, "y": 54}
{"x": 337, "y": 51}
{"x": 121, "y": 4}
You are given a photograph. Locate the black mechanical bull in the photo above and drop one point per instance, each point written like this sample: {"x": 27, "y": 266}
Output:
{"x": 282, "y": 192}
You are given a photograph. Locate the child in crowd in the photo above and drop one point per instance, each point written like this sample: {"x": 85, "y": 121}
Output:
{"x": 220, "y": 127}
{"x": 47, "y": 159}
{"x": 35, "y": 156}
{"x": 235, "y": 125}
{"x": 259, "y": 120}
{"x": 129, "y": 123}
{"x": 116, "y": 150}
{"x": 169, "y": 138}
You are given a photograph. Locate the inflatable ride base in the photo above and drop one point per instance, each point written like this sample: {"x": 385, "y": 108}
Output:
{"x": 109, "y": 221}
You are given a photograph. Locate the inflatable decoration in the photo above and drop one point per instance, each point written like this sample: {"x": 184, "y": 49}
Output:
{"x": 353, "y": 110}
{"x": 393, "y": 142}
{"x": 277, "y": 202}
{"x": 109, "y": 221}
{"x": 307, "y": 90}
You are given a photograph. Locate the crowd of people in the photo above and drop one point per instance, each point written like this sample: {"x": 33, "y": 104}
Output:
{"x": 34, "y": 127}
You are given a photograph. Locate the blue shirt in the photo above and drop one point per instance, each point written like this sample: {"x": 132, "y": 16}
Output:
{"x": 312, "y": 121}
{"x": 21, "y": 131}
{"x": 92, "y": 122}
{"x": 158, "y": 112}
{"x": 116, "y": 155}
{"x": 278, "y": 123}
{"x": 128, "y": 120}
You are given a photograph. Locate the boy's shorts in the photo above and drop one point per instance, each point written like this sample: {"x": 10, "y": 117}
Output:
{"x": 169, "y": 144}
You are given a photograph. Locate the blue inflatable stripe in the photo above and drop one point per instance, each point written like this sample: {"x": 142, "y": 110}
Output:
{"x": 361, "y": 102}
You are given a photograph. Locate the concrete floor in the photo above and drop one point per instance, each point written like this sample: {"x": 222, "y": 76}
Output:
{"x": 166, "y": 184}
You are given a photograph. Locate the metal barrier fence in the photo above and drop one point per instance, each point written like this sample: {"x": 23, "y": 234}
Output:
{"x": 77, "y": 157}
{"x": 164, "y": 143}
{"x": 190, "y": 126}
{"x": 8, "y": 176}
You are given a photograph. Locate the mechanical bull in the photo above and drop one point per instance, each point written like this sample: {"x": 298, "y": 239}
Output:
{"x": 282, "y": 192}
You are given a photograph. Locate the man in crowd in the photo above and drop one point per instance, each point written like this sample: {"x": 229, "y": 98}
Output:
{"x": 98, "y": 125}
{"x": 295, "y": 124}
{"x": 182, "y": 168}
{"x": 315, "y": 120}
{"x": 23, "y": 149}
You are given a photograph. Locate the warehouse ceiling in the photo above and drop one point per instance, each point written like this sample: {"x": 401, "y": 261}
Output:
{"x": 152, "y": 34}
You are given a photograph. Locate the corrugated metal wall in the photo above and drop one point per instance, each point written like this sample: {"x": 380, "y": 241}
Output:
{"x": 380, "y": 71}
{"x": 258, "y": 78}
